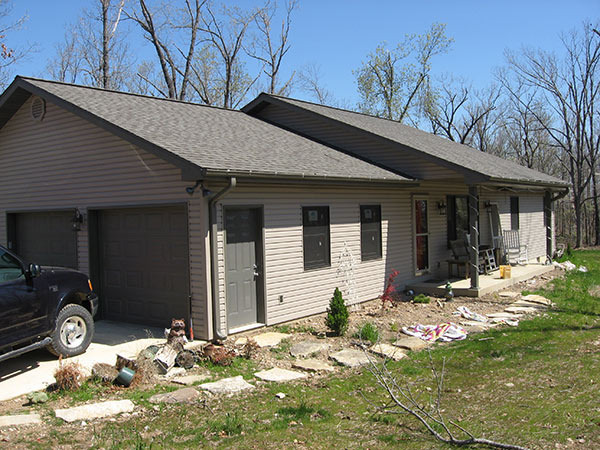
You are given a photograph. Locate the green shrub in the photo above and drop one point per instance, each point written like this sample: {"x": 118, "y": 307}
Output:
{"x": 337, "y": 314}
{"x": 367, "y": 332}
{"x": 421, "y": 298}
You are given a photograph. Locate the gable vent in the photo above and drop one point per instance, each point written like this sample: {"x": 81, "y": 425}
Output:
{"x": 38, "y": 108}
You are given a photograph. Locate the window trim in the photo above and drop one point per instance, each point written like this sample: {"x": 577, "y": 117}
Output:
{"x": 327, "y": 262}
{"x": 379, "y": 254}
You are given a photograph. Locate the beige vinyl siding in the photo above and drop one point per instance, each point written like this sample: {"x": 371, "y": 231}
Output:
{"x": 357, "y": 142}
{"x": 67, "y": 162}
{"x": 308, "y": 292}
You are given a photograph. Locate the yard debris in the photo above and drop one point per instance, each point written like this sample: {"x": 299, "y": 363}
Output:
{"x": 219, "y": 355}
{"x": 165, "y": 358}
{"x": 445, "y": 332}
{"x": 69, "y": 376}
{"x": 104, "y": 372}
{"x": 185, "y": 359}
{"x": 280, "y": 395}
{"x": 568, "y": 266}
{"x": 465, "y": 312}
{"x": 37, "y": 397}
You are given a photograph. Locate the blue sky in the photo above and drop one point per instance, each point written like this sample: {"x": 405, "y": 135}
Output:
{"x": 337, "y": 35}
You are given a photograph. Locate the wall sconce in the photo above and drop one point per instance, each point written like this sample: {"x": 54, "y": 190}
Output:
{"x": 442, "y": 208}
{"x": 77, "y": 221}
{"x": 191, "y": 189}
{"x": 487, "y": 204}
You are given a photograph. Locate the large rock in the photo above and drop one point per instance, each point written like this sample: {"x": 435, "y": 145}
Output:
{"x": 388, "y": 351}
{"x": 529, "y": 304}
{"x": 351, "y": 358}
{"x": 312, "y": 365}
{"x": 412, "y": 343}
{"x": 185, "y": 395}
{"x": 279, "y": 375}
{"x": 20, "y": 419}
{"x": 521, "y": 309}
{"x": 307, "y": 348}
{"x": 269, "y": 339}
{"x": 95, "y": 410}
{"x": 504, "y": 315}
{"x": 537, "y": 299}
{"x": 509, "y": 294}
{"x": 227, "y": 385}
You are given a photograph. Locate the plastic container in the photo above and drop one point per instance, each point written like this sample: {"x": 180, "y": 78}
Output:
{"x": 125, "y": 376}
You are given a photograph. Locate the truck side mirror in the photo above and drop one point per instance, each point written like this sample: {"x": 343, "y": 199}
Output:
{"x": 34, "y": 270}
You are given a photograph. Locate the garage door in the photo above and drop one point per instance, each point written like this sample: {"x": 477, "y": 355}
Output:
{"x": 45, "y": 238}
{"x": 144, "y": 264}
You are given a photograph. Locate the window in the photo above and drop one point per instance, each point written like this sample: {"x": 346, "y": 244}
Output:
{"x": 514, "y": 213}
{"x": 315, "y": 233}
{"x": 457, "y": 216}
{"x": 421, "y": 236}
{"x": 370, "y": 232}
{"x": 10, "y": 268}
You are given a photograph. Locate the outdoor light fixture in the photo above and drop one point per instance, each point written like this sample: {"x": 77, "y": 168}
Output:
{"x": 487, "y": 204}
{"x": 76, "y": 221}
{"x": 442, "y": 208}
{"x": 190, "y": 190}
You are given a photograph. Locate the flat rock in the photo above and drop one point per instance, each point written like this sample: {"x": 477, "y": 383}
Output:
{"x": 312, "y": 365}
{"x": 534, "y": 298}
{"x": 185, "y": 395}
{"x": 521, "y": 309}
{"x": 509, "y": 294}
{"x": 20, "y": 419}
{"x": 503, "y": 315}
{"x": 594, "y": 291}
{"x": 188, "y": 380}
{"x": 95, "y": 410}
{"x": 351, "y": 358}
{"x": 477, "y": 327}
{"x": 307, "y": 348}
{"x": 175, "y": 372}
{"x": 412, "y": 343}
{"x": 279, "y": 375}
{"x": 227, "y": 385}
{"x": 388, "y": 351}
{"x": 269, "y": 339}
{"x": 529, "y": 304}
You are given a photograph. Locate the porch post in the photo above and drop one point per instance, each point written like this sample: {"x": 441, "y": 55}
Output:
{"x": 548, "y": 224}
{"x": 474, "y": 235}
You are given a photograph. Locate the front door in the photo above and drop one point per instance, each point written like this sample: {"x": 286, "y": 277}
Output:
{"x": 243, "y": 261}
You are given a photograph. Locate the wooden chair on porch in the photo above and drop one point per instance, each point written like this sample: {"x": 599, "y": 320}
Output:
{"x": 514, "y": 251}
{"x": 460, "y": 257}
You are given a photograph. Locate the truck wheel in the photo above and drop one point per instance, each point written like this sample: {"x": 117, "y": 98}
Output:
{"x": 73, "y": 331}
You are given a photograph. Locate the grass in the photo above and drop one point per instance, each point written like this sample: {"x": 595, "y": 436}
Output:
{"x": 367, "y": 332}
{"x": 552, "y": 360}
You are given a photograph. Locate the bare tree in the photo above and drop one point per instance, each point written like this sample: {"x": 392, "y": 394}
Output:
{"x": 94, "y": 50}
{"x": 391, "y": 81}
{"x": 10, "y": 54}
{"x": 270, "y": 49}
{"x": 163, "y": 28}
{"x": 309, "y": 78}
{"x": 570, "y": 88}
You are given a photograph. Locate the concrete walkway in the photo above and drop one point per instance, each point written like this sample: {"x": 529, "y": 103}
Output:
{"x": 34, "y": 371}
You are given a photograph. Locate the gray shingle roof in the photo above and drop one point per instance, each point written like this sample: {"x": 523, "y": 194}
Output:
{"x": 445, "y": 150}
{"x": 215, "y": 139}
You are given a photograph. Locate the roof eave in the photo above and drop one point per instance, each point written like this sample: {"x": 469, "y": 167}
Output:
{"x": 557, "y": 185}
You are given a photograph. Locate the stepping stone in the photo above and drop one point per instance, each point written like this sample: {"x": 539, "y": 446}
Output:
{"x": 307, "y": 348}
{"x": 227, "y": 385}
{"x": 279, "y": 375}
{"x": 412, "y": 343}
{"x": 521, "y": 309}
{"x": 188, "y": 380}
{"x": 529, "y": 304}
{"x": 477, "y": 327}
{"x": 351, "y": 358}
{"x": 312, "y": 365}
{"x": 20, "y": 419}
{"x": 388, "y": 351}
{"x": 95, "y": 410}
{"x": 269, "y": 339}
{"x": 509, "y": 321}
{"x": 185, "y": 395}
{"x": 534, "y": 298}
{"x": 509, "y": 294}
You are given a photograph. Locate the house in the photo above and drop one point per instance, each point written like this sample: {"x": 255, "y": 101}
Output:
{"x": 242, "y": 218}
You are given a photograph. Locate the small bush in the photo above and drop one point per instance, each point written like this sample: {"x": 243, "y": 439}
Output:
{"x": 68, "y": 376}
{"x": 249, "y": 349}
{"x": 337, "y": 314}
{"x": 390, "y": 290}
{"x": 367, "y": 332}
{"x": 421, "y": 298}
{"x": 218, "y": 355}
{"x": 229, "y": 426}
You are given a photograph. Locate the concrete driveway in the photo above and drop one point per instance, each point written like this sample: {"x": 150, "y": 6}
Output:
{"x": 34, "y": 371}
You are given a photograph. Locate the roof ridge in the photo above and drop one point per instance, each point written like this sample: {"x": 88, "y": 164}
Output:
{"x": 133, "y": 94}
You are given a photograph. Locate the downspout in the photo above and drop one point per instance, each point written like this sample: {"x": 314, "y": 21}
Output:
{"x": 214, "y": 264}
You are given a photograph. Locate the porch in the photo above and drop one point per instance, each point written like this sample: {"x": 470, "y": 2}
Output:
{"x": 487, "y": 283}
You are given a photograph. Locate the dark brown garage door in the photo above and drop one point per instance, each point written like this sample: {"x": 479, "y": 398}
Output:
{"x": 44, "y": 238}
{"x": 144, "y": 264}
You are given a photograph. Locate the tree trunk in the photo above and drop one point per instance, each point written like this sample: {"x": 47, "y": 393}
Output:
{"x": 105, "y": 44}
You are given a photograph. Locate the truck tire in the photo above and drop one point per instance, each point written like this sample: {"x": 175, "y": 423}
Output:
{"x": 73, "y": 331}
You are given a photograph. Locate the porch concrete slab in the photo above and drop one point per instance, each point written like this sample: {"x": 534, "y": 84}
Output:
{"x": 34, "y": 371}
{"x": 487, "y": 283}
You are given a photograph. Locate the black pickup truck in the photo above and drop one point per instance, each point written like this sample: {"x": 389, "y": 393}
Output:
{"x": 50, "y": 307}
